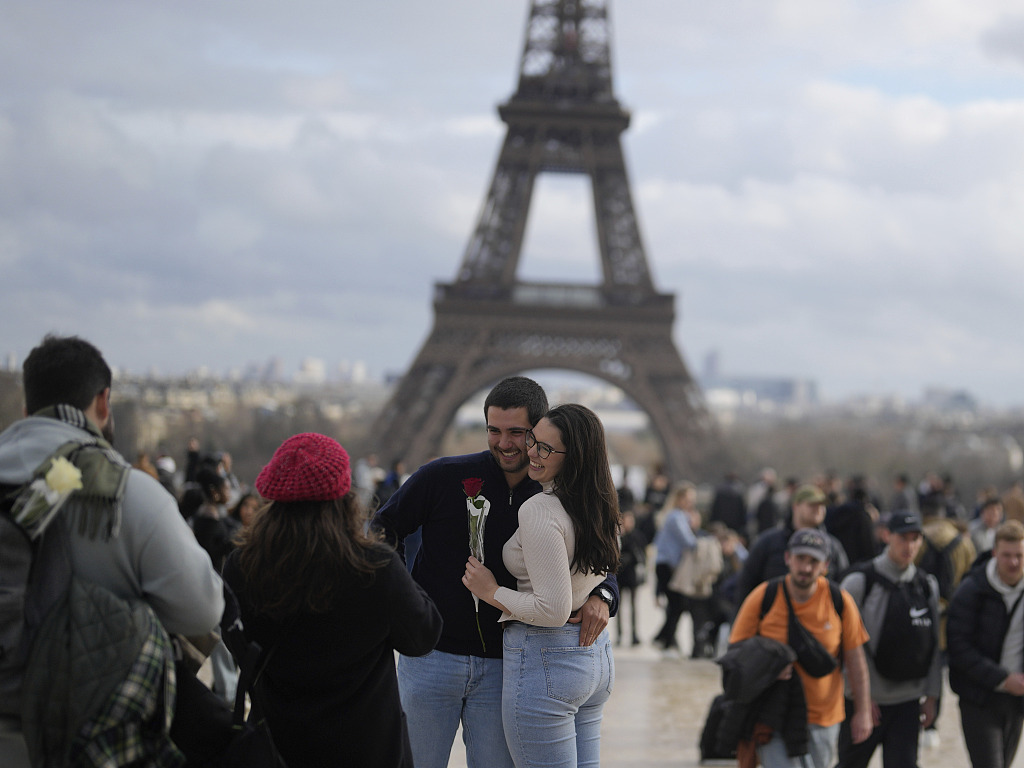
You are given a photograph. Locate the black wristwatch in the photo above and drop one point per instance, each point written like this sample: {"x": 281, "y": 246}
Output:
{"x": 606, "y": 596}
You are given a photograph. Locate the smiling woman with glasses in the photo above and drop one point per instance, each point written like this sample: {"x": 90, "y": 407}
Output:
{"x": 565, "y": 546}
{"x": 543, "y": 449}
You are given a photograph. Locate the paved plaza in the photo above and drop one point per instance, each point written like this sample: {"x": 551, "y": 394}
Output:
{"x": 655, "y": 716}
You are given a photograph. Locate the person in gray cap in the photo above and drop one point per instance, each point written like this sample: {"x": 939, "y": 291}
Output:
{"x": 821, "y": 623}
{"x": 900, "y": 608}
{"x": 766, "y": 559}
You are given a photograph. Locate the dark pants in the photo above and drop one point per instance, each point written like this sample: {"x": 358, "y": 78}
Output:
{"x": 674, "y": 609}
{"x": 897, "y": 733}
{"x": 627, "y": 595}
{"x": 992, "y": 731}
{"x": 701, "y": 611}
{"x": 944, "y": 655}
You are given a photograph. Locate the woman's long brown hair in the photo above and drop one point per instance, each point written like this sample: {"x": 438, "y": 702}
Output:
{"x": 584, "y": 486}
{"x": 297, "y": 557}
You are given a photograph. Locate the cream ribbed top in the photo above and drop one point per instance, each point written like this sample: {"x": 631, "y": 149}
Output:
{"x": 538, "y": 555}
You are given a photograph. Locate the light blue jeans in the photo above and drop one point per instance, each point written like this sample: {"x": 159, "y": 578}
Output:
{"x": 553, "y": 695}
{"x": 439, "y": 691}
{"x": 821, "y": 749}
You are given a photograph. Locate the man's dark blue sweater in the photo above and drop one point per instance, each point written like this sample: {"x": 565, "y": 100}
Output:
{"x": 433, "y": 499}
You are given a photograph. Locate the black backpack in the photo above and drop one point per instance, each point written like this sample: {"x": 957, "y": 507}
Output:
{"x": 938, "y": 561}
{"x": 909, "y": 637}
{"x": 710, "y": 748}
{"x": 33, "y": 577}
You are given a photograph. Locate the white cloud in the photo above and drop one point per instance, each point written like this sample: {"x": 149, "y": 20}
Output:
{"x": 228, "y": 231}
{"x": 832, "y": 189}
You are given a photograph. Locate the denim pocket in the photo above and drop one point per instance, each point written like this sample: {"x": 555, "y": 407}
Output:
{"x": 569, "y": 672}
{"x": 511, "y": 646}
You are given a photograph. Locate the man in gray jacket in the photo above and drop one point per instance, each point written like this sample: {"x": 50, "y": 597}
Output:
{"x": 901, "y": 707}
{"x": 125, "y": 534}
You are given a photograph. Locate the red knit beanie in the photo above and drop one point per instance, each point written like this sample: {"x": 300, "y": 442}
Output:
{"x": 307, "y": 467}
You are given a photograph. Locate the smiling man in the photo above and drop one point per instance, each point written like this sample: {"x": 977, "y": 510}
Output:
{"x": 461, "y": 680}
{"x": 985, "y": 638}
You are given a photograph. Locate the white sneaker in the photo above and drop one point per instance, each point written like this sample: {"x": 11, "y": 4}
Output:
{"x": 671, "y": 653}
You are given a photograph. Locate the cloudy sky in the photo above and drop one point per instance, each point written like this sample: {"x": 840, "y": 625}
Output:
{"x": 833, "y": 190}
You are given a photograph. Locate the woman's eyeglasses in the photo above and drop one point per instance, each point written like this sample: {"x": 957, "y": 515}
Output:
{"x": 543, "y": 449}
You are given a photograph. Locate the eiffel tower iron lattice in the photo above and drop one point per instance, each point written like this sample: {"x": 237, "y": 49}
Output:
{"x": 563, "y": 118}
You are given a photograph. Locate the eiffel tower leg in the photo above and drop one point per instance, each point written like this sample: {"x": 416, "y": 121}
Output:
{"x": 492, "y": 255}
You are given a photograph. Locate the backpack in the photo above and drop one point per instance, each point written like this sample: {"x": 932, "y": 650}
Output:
{"x": 710, "y": 749}
{"x": 909, "y": 637}
{"x": 34, "y": 576}
{"x": 36, "y": 564}
{"x": 938, "y": 561}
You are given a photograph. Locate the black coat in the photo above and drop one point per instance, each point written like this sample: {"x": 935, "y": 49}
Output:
{"x": 754, "y": 694}
{"x": 728, "y": 507}
{"x": 330, "y": 688}
{"x": 633, "y": 561}
{"x": 852, "y": 525}
{"x": 976, "y": 626}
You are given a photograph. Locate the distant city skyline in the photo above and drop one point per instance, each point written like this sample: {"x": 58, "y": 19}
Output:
{"x": 723, "y": 392}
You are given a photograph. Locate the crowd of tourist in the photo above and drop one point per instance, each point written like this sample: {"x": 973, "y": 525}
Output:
{"x": 922, "y": 582}
{"x": 834, "y": 609}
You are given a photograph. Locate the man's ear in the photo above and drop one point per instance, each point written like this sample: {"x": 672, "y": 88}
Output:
{"x": 101, "y": 407}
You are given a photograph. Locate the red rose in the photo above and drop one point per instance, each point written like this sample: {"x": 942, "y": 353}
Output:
{"x": 472, "y": 486}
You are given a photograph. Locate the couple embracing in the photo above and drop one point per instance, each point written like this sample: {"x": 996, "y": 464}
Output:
{"x": 518, "y": 561}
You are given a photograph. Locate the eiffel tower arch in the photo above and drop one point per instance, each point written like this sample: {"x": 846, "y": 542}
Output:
{"x": 563, "y": 118}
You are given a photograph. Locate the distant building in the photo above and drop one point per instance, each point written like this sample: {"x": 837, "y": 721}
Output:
{"x": 734, "y": 393}
{"x": 758, "y": 392}
{"x": 950, "y": 400}
{"x": 313, "y": 370}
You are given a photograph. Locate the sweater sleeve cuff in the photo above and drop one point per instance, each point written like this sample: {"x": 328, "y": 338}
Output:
{"x": 508, "y": 598}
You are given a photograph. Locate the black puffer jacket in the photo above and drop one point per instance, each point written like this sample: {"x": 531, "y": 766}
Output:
{"x": 754, "y": 694}
{"x": 975, "y": 629}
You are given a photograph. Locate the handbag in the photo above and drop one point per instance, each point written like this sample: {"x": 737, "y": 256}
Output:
{"x": 253, "y": 745}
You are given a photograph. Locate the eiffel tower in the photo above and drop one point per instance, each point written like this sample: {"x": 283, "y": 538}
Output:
{"x": 563, "y": 118}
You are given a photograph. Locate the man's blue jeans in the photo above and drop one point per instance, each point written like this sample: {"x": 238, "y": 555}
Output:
{"x": 554, "y": 694}
{"x": 439, "y": 691}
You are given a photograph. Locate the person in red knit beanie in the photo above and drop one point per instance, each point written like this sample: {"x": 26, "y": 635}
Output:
{"x": 329, "y": 605}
